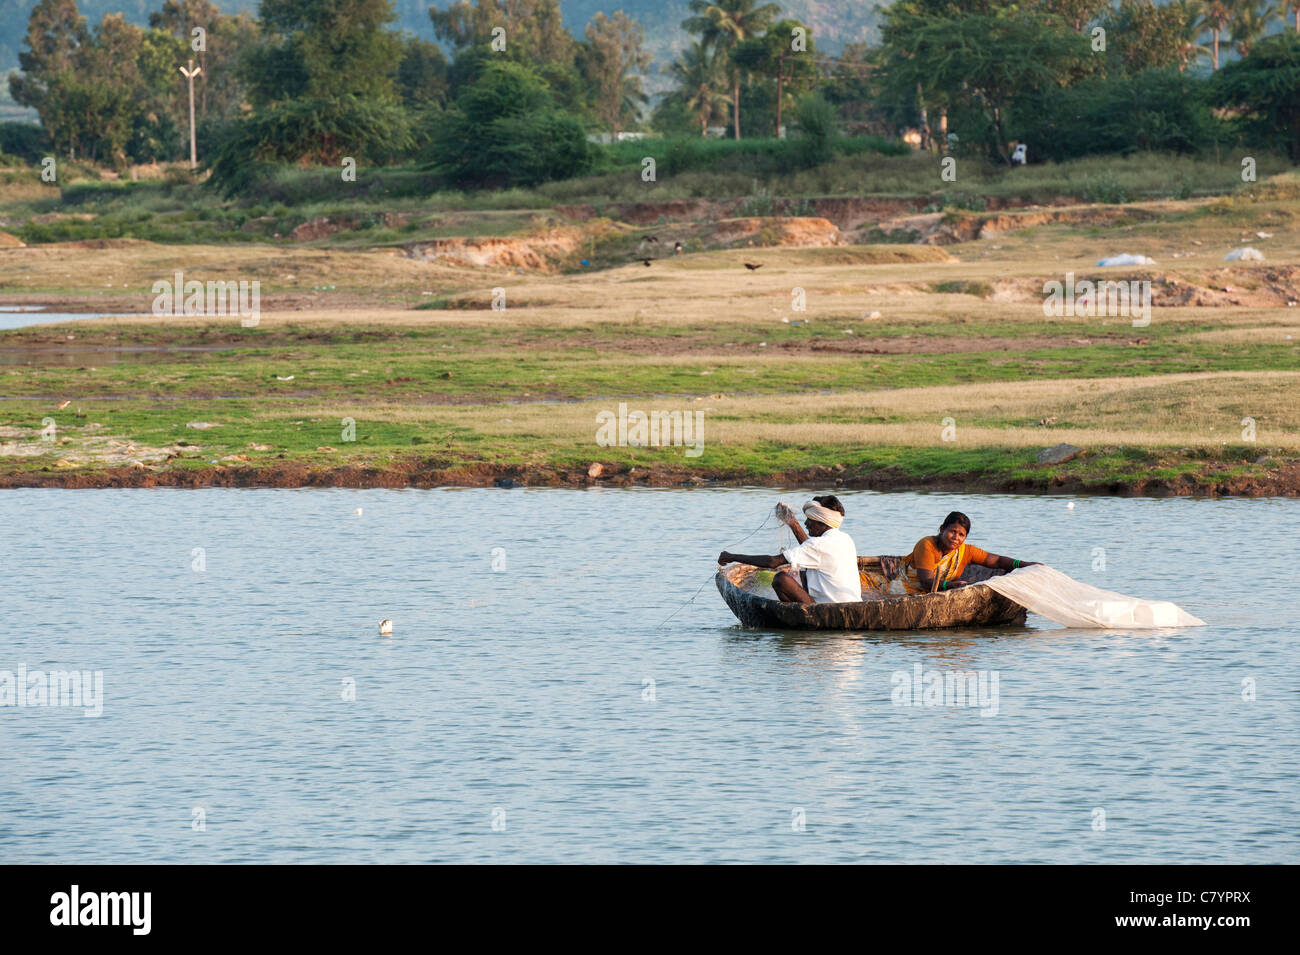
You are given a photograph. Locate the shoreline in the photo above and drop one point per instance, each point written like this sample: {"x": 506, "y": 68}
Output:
{"x": 1283, "y": 481}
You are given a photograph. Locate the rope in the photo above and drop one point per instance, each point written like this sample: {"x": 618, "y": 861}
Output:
{"x": 709, "y": 579}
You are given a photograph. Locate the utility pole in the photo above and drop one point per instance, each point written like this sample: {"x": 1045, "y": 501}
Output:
{"x": 189, "y": 75}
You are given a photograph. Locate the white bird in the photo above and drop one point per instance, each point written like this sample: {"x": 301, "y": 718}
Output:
{"x": 385, "y": 628}
{"x": 1070, "y": 506}
{"x": 357, "y": 512}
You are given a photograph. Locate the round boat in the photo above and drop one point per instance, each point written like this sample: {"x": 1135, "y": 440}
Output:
{"x": 748, "y": 592}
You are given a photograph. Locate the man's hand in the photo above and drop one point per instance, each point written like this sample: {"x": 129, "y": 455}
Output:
{"x": 786, "y": 515}
{"x": 725, "y": 558}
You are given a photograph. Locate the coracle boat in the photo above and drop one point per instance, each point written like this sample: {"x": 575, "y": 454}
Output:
{"x": 748, "y": 592}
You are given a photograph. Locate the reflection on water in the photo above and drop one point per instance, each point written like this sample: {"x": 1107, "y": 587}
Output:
{"x": 531, "y": 671}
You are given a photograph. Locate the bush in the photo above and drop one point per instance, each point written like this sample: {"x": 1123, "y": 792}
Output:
{"x": 27, "y": 141}
{"x": 1153, "y": 111}
{"x": 815, "y": 119}
{"x": 308, "y": 131}
{"x": 1266, "y": 87}
{"x": 505, "y": 130}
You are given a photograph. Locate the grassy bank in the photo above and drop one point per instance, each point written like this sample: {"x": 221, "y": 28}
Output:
{"x": 386, "y": 206}
{"x": 909, "y": 367}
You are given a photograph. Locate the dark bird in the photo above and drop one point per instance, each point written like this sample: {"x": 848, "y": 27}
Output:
{"x": 649, "y": 238}
{"x": 751, "y": 266}
{"x": 677, "y": 248}
{"x": 646, "y": 262}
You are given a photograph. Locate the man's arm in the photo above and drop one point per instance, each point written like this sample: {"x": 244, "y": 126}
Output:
{"x": 756, "y": 560}
{"x": 791, "y": 520}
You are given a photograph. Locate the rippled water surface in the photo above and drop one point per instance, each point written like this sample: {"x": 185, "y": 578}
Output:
{"x": 512, "y": 717}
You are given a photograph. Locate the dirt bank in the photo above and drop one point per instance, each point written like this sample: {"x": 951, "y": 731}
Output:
{"x": 1213, "y": 481}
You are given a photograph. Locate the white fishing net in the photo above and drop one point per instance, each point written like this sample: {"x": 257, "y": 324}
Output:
{"x": 1058, "y": 597}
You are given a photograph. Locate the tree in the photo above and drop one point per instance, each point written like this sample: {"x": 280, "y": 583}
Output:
{"x": 534, "y": 29}
{"x": 180, "y": 18}
{"x": 1076, "y": 13}
{"x": 612, "y": 58}
{"x": 1265, "y": 87}
{"x": 505, "y": 130}
{"x": 1191, "y": 13}
{"x": 421, "y": 73}
{"x": 722, "y": 26}
{"x": 1215, "y": 17}
{"x": 1250, "y": 20}
{"x": 785, "y": 53}
{"x": 698, "y": 77}
{"x": 981, "y": 62}
{"x": 324, "y": 50}
{"x": 56, "y": 33}
{"x": 1145, "y": 36}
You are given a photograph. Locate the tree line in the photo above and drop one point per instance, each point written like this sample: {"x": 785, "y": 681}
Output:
{"x": 508, "y": 95}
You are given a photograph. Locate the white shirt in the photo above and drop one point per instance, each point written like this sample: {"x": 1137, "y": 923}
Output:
{"x": 832, "y": 564}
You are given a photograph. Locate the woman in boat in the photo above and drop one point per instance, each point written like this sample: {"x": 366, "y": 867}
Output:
{"x": 825, "y": 560}
{"x": 937, "y": 563}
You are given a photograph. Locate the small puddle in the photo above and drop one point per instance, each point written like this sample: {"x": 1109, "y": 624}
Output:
{"x": 21, "y": 316}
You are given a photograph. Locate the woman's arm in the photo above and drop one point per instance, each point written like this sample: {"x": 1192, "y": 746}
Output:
{"x": 926, "y": 577}
{"x": 756, "y": 560}
{"x": 1006, "y": 563}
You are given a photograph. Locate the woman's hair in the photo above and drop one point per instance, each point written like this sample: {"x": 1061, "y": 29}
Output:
{"x": 831, "y": 501}
{"x": 958, "y": 518}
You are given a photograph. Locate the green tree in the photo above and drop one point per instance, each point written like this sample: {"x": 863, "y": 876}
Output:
{"x": 612, "y": 58}
{"x": 1077, "y": 14}
{"x": 324, "y": 50}
{"x": 56, "y": 33}
{"x": 1250, "y": 20}
{"x": 724, "y": 25}
{"x": 1264, "y": 87}
{"x": 534, "y": 29}
{"x": 1293, "y": 6}
{"x": 1144, "y": 36}
{"x": 422, "y": 73}
{"x": 981, "y": 63}
{"x": 1216, "y": 15}
{"x": 785, "y": 54}
{"x": 699, "y": 84}
{"x": 505, "y": 130}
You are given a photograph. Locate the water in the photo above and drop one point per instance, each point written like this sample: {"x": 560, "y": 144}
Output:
{"x": 21, "y": 316}
{"x": 525, "y": 690}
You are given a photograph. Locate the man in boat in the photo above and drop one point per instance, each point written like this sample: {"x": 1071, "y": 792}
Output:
{"x": 937, "y": 563}
{"x": 824, "y": 565}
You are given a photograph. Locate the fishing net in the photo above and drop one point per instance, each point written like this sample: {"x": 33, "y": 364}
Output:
{"x": 1059, "y": 597}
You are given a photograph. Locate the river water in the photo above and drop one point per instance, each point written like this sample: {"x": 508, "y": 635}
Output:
{"x": 532, "y": 705}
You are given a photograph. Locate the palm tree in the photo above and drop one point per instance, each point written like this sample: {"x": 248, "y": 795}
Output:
{"x": 1250, "y": 20}
{"x": 723, "y": 24}
{"x": 699, "y": 82}
{"x": 1192, "y": 47}
{"x": 1215, "y": 17}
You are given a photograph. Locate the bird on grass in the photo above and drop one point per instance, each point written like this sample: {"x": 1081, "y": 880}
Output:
{"x": 677, "y": 248}
{"x": 649, "y": 238}
{"x": 751, "y": 266}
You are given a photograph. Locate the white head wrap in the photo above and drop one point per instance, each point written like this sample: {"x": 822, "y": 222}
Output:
{"x": 824, "y": 514}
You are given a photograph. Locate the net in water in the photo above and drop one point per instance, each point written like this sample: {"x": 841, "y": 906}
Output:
{"x": 1058, "y": 597}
